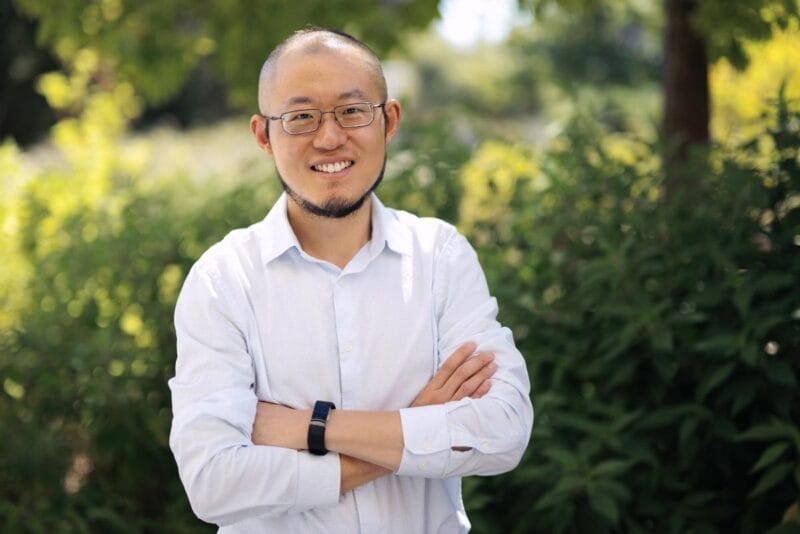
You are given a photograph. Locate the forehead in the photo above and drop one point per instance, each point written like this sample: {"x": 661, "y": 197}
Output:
{"x": 322, "y": 74}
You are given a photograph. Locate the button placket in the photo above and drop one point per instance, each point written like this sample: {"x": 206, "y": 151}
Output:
{"x": 345, "y": 333}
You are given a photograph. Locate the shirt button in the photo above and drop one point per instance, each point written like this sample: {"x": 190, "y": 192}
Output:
{"x": 428, "y": 446}
{"x": 423, "y": 464}
{"x": 484, "y": 444}
{"x": 348, "y": 347}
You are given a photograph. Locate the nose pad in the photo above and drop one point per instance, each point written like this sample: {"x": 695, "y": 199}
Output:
{"x": 330, "y": 134}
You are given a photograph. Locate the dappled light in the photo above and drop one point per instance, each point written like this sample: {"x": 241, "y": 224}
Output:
{"x": 660, "y": 322}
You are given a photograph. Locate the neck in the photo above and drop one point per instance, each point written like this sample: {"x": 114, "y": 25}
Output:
{"x": 329, "y": 239}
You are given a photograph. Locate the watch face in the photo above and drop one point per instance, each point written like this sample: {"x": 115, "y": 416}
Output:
{"x": 321, "y": 410}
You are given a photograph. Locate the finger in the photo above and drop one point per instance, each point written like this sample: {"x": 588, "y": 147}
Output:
{"x": 452, "y": 363}
{"x": 466, "y": 371}
{"x": 471, "y": 386}
{"x": 482, "y": 390}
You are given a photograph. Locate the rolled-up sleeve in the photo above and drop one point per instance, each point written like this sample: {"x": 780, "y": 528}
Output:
{"x": 483, "y": 436}
{"x": 227, "y": 478}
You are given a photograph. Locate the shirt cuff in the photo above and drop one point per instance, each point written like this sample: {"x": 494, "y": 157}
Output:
{"x": 426, "y": 441}
{"x": 318, "y": 480}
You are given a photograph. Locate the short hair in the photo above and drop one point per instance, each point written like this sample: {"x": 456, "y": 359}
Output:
{"x": 318, "y": 39}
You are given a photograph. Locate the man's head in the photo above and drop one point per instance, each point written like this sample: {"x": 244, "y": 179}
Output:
{"x": 332, "y": 170}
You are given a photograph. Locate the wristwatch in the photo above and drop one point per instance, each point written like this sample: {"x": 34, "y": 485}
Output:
{"x": 316, "y": 428}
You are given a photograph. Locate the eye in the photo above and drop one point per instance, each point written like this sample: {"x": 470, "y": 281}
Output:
{"x": 355, "y": 109}
{"x": 298, "y": 116}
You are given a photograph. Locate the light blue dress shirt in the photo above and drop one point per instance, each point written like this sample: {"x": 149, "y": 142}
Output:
{"x": 259, "y": 319}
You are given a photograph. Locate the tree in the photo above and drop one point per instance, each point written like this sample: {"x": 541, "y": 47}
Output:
{"x": 155, "y": 46}
{"x": 695, "y": 33}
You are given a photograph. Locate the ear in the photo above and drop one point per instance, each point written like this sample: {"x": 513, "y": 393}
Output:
{"x": 392, "y": 117}
{"x": 259, "y": 125}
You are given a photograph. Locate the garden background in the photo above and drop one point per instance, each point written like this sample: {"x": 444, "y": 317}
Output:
{"x": 627, "y": 170}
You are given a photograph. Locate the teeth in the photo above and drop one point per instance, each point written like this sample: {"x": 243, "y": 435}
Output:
{"x": 333, "y": 167}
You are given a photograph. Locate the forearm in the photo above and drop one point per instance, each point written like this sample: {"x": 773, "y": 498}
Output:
{"x": 355, "y": 472}
{"x": 375, "y": 437}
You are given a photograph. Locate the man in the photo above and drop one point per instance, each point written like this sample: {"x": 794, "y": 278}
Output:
{"x": 339, "y": 326}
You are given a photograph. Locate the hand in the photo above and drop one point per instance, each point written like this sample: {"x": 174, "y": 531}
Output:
{"x": 460, "y": 376}
{"x": 280, "y": 426}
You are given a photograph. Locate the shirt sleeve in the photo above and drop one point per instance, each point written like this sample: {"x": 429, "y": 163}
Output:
{"x": 494, "y": 429}
{"x": 227, "y": 478}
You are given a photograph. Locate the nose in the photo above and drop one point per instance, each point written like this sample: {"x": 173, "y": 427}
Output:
{"x": 330, "y": 135}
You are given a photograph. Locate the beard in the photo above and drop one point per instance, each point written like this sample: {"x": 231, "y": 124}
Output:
{"x": 333, "y": 208}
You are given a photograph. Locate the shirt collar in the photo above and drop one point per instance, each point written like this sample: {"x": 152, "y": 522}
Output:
{"x": 386, "y": 229}
{"x": 278, "y": 235}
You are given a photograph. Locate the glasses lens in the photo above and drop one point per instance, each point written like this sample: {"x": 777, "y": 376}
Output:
{"x": 301, "y": 121}
{"x": 353, "y": 115}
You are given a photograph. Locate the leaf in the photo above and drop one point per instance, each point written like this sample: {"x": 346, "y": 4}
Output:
{"x": 604, "y": 505}
{"x": 612, "y": 488}
{"x": 668, "y": 416}
{"x": 780, "y": 372}
{"x": 725, "y": 344}
{"x": 714, "y": 379}
{"x": 750, "y": 354}
{"x": 562, "y": 492}
{"x": 769, "y": 456}
{"x": 772, "y": 477}
{"x": 686, "y": 430}
{"x": 611, "y": 468}
{"x": 775, "y": 429}
{"x": 563, "y": 457}
{"x": 785, "y": 528}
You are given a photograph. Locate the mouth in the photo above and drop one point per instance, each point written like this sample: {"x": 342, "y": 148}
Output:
{"x": 332, "y": 168}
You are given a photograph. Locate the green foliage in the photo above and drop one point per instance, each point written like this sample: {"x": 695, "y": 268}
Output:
{"x": 154, "y": 46}
{"x": 662, "y": 337}
{"x": 96, "y": 248}
{"x": 726, "y": 25}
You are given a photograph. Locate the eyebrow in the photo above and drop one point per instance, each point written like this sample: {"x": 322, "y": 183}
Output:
{"x": 353, "y": 93}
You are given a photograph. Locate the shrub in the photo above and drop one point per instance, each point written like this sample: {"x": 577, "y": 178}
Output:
{"x": 663, "y": 337}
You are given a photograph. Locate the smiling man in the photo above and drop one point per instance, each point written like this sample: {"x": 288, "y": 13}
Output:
{"x": 340, "y": 365}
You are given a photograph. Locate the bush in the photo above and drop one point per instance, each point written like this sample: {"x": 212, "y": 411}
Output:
{"x": 663, "y": 337}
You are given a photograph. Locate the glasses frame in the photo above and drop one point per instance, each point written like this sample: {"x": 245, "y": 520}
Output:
{"x": 332, "y": 111}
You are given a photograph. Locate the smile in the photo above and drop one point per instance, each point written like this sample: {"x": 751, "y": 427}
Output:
{"x": 339, "y": 166}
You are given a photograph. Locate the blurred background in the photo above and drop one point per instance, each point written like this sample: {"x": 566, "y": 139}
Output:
{"x": 626, "y": 169}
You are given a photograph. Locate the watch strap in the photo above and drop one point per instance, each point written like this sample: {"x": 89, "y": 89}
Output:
{"x": 316, "y": 427}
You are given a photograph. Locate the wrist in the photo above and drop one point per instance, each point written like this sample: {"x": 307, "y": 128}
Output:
{"x": 317, "y": 427}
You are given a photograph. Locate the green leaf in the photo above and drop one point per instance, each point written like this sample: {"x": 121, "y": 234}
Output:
{"x": 780, "y": 372}
{"x": 714, "y": 379}
{"x": 668, "y": 416}
{"x": 725, "y": 344}
{"x": 604, "y": 505}
{"x": 561, "y": 493}
{"x": 770, "y": 455}
{"x": 750, "y": 354}
{"x": 612, "y": 488}
{"x": 687, "y": 429}
{"x": 611, "y": 468}
{"x": 564, "y": 458}
{"x": 785, "y": 528}
{"x": 775, "y": 429}
{"x": 771, "y": 478}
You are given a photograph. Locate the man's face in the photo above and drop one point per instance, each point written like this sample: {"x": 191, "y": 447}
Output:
{"x": 330, "y": 170}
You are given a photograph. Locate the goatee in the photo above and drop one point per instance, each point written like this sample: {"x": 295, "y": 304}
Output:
{"x": 334, "y": 208}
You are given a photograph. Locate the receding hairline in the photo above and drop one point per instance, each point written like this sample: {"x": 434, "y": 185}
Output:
{"x": 315, "y": 41}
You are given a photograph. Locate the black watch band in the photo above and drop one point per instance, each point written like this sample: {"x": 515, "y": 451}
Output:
{"x": 316, "y": 428}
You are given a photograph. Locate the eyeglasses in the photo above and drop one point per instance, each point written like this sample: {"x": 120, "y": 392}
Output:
{"x": 303, "y": 121}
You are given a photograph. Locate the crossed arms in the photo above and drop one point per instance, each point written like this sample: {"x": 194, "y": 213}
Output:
{"x": 370, "y": 444}
{"x": 239, "y": 458}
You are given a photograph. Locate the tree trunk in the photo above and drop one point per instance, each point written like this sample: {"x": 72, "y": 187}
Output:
{"x": 686, "y": 96}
